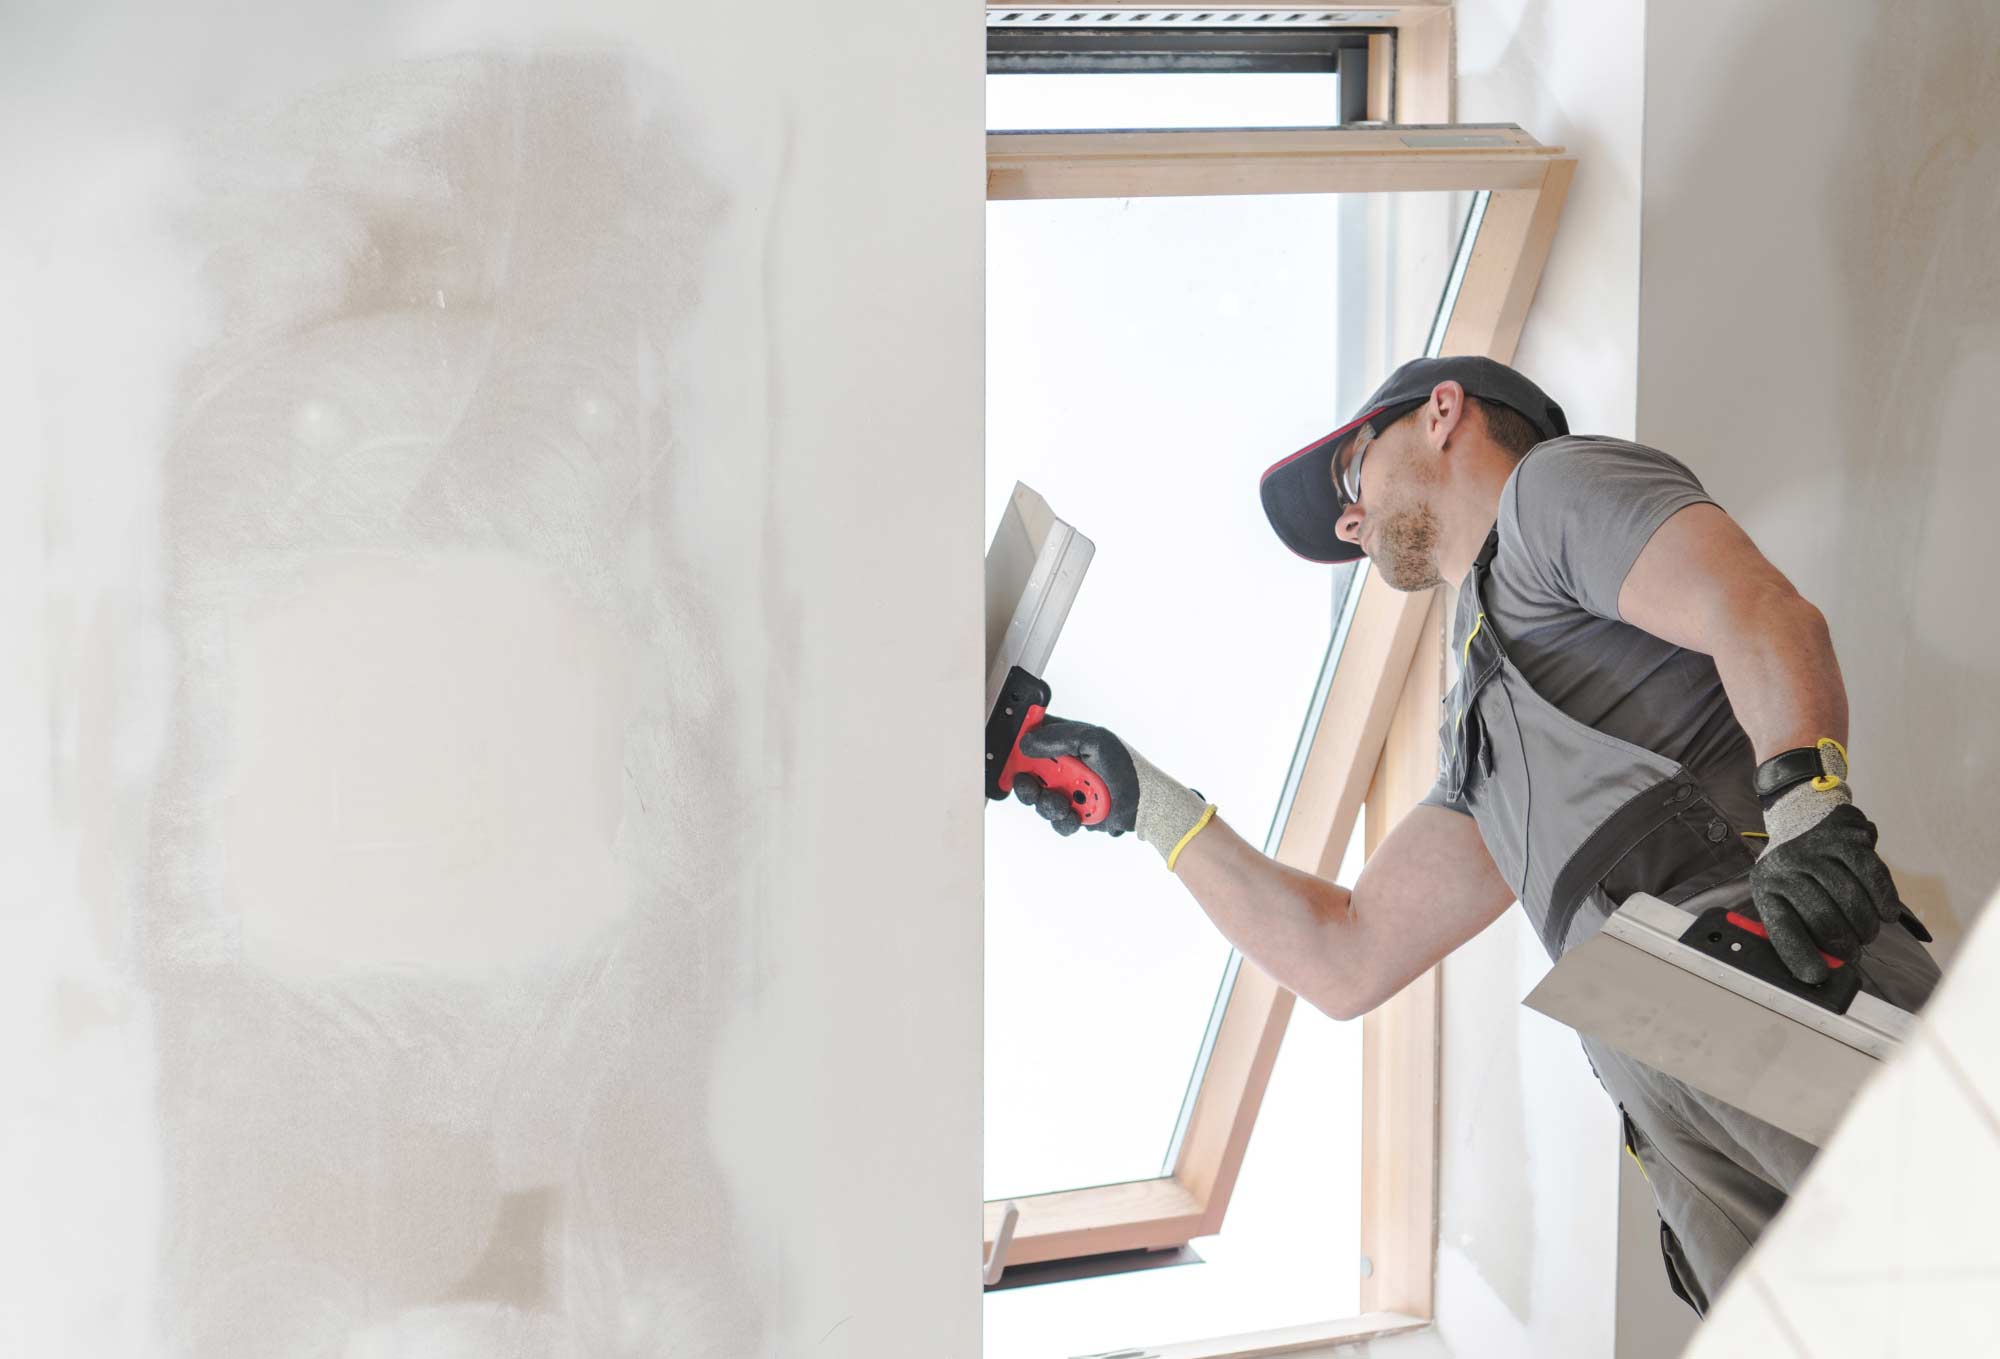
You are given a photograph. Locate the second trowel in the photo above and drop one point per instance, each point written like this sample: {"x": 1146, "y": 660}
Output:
{"x": 1698, "y": 992}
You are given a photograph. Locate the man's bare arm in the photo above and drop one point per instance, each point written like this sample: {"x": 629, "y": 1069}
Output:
{"x": 1428, "y": 888}
{"x": 1701, "y": 583}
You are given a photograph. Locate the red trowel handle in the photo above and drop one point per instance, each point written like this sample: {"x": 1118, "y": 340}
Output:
{"x": 1065, "y": 773}
{"x": 1756, "y": 927}
{"x": 1020, "y": 708}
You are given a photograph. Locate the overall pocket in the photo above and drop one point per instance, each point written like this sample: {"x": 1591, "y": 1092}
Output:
{"x": 1697, "y": 849}
{"x": 1680, "y": 1272}
{"x": 1501, "y": 793}
{"x": 1463, "y": 755}
{"x": 1482, "y": 759}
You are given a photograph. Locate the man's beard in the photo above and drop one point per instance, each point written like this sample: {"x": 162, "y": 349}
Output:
{"x": 1406, "y": 549}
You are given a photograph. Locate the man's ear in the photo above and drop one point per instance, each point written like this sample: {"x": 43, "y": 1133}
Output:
{"x": 1444, "y": 414}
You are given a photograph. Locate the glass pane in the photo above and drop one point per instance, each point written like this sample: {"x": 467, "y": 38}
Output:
{"x": 1346, "y": 580}
{"x": 1162, "y": 99}
{"x": 1147, "y": 360}
{"x": 1289, "y": 1250}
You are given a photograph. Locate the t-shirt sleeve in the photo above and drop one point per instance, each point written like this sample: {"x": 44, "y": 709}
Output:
{"x": 1587, "y": 508}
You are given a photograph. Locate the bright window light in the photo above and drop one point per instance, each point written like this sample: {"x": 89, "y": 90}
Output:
{"x": 1147, "y": 359}
{"x": 1289, "y": 1250}
{"x": 1162, "y": 99}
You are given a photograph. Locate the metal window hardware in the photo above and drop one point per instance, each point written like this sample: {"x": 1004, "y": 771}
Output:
{"x": 1186, "y": 17}
{"x": 996, "y": 1259}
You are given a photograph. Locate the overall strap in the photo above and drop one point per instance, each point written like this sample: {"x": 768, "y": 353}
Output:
{"x": 1486, "y": 553}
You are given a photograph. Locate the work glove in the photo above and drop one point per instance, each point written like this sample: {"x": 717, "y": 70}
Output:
{"x": 1165, "y": 813}
{"x": 1820, "y": 887}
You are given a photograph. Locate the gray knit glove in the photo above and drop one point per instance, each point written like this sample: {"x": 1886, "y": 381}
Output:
{"x": 1820, "y": 887}
{"x": 1165, "y": 813}
{"x": 1798, "y": 809}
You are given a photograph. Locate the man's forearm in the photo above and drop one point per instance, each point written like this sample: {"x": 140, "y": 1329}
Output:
{"x": 1288, "y": 922}
{"x": 1781, "y": 675}
{"x": 1429, "y": 886}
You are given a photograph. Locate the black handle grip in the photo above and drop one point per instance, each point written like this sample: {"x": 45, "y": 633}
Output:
{"x": 1740, "y": 941}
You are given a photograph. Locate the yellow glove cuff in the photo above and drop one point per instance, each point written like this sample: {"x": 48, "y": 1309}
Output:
{"x": 1207, "y": 815}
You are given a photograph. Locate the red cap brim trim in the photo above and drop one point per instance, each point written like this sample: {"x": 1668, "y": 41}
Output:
{"x": 1343, "y": 431}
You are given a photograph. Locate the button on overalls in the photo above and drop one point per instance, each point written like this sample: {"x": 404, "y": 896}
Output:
{"x": 1576, "y": 821}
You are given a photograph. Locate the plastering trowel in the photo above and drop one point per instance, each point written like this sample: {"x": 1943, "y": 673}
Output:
{"x": 1034, "y": 568}
{"x": 1702, "y": 995}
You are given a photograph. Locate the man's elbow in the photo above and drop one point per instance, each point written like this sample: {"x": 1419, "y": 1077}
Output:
{"x": 1332, "y": 983}
{"x": 1334, "y": 1002}
{"x": 1353, "y": 1000}
{"x": 1346, "y": 994}
{"x": 1343, "y": 1008}
{"x": 1808, "y": 626}
{"x": 1775, "y": 595}
{"x": 1814, "y": 621}
{"x": 1768, "y": 611}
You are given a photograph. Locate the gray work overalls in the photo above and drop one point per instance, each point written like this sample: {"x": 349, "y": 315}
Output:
{"x": 1577, "y": 821}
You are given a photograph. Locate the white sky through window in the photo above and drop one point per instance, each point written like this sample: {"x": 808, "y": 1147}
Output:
{"x": 1147, "y": 359}
{"x": 1289, "y": 1250}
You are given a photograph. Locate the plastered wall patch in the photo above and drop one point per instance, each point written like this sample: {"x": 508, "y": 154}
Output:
{"x": 435, "y": 920}
{"x": 425, "y": 767}
{"x": 448, "y": 449}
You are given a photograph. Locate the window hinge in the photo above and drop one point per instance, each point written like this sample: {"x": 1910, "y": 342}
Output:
{"x": 996, "y": 1259}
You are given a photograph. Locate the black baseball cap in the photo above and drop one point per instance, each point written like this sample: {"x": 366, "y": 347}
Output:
{"x": 1300, "y": 498}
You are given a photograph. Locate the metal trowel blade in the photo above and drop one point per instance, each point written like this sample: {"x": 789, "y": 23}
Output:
{"x": 1635, "y": 987}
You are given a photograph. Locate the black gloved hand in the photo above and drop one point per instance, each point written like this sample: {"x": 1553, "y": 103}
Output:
{"x": 1107, "y": 757}
{"x": 1824, "y": 890}
{"x": 1165, "y": 813}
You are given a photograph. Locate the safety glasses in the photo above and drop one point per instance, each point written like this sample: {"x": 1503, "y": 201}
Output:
{"x": 1349, "y": 480}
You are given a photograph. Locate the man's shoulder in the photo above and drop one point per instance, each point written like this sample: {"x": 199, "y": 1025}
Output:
{"x": 1582, "y": 455}
{"x": 1564, "y": 478}
{"x": 1576, "y": 512}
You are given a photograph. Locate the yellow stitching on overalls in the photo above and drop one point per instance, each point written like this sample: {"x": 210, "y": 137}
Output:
{"x": 1689, "y": 1181}
{"x": 1465, "y": 663}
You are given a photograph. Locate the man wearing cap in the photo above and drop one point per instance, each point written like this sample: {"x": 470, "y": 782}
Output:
{"x": 1643, "y": 701}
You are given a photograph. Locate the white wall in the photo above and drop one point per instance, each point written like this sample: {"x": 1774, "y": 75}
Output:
{"x": 1820, "y": 340}
{"x": 491, "y": 540}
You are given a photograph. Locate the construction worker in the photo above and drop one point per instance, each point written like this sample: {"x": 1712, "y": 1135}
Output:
{"x": 1643, "y": 702}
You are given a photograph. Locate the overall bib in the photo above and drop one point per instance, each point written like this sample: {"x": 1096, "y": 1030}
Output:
{"x": 1576, "y": 821}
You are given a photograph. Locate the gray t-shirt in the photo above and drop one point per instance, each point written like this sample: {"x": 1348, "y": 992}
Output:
{"x": 1574, "y": 516}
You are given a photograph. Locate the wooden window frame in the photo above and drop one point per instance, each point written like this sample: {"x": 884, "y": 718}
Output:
{"x": 1375, "y": 738}
{"x": 1374, "y": 741}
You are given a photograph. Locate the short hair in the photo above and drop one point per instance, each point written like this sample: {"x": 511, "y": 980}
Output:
{"x": 1507, "y": 427}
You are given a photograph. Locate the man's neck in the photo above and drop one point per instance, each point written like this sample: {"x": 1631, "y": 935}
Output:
{"x": 1474, "y": 508}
